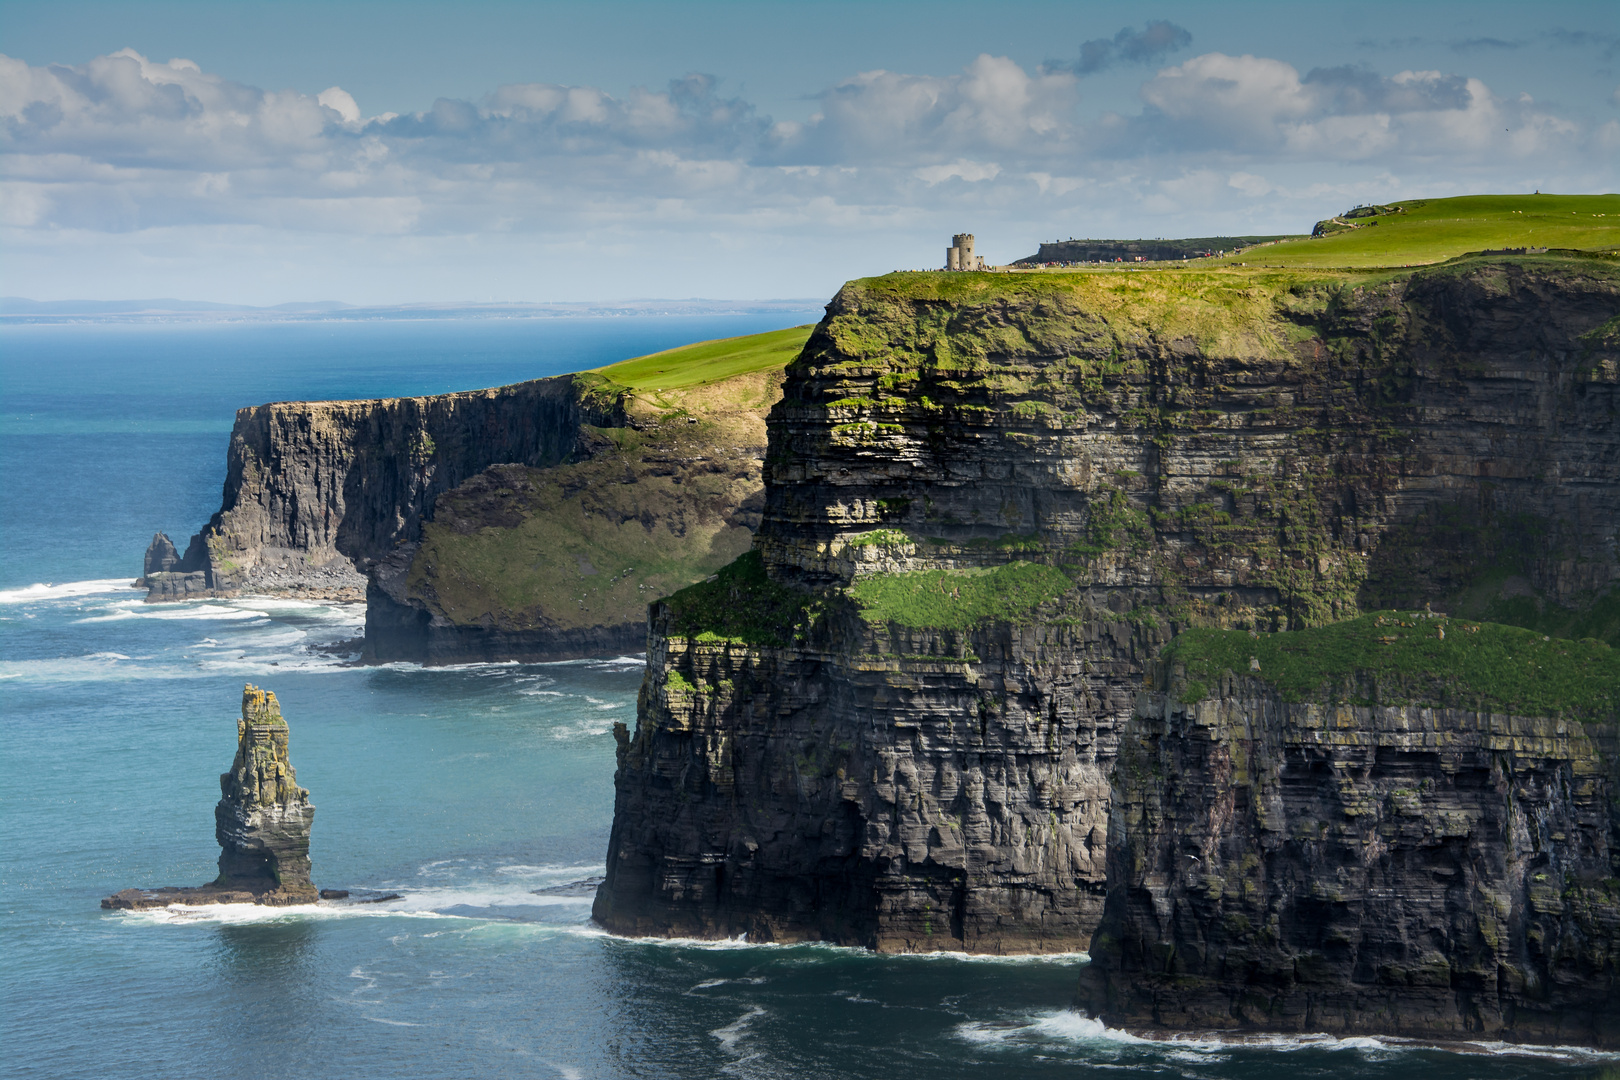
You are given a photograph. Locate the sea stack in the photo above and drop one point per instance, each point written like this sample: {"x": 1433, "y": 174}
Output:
{"x": 262, "y": 823}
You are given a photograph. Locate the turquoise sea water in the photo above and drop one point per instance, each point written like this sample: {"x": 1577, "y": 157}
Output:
{"x": 481, "y": 795}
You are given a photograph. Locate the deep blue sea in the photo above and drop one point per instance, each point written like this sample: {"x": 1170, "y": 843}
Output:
{"x": 464, "y": 790}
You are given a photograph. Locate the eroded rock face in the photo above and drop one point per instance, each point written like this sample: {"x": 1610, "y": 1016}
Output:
{"x": 262, "y": 823}
{"x": 557, "y": 563}
{"x": 1273, "y": 457}
{"x": 1411, "y": 871}
{"x": 318, "y": 492}
{"x": 161, "y": 557}
{"x": 262, "y": 820}
{"x": 908, "y": 792}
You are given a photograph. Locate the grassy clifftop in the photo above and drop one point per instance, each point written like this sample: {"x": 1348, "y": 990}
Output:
{"x": 643, "y": 511}
{"x": 706, "y": 362}
{"x": 1417, "y": 231}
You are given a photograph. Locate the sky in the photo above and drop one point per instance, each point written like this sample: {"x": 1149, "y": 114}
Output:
{"x": 253, "y": 152}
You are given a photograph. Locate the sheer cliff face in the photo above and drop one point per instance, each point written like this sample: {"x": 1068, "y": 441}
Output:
{"x": 315, "y": 481}
{"x": 845, "y": 747}
{"x": 1416, "y": 871}
{"x": 524, "y": 563}
{"x": 318, "y": 492}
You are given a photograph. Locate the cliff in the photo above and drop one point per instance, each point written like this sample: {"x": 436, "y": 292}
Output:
{"x": 1426, "y": 842}
{"x": 525, "y": 563}
{"x": 317, "y": 492}
{"x": 1107, "y": 251}
{"x": 991, "y": 500}
{"x": 529, "y": 522}
{"x": 262, "y": 823}
{"x": 558, "y": 562}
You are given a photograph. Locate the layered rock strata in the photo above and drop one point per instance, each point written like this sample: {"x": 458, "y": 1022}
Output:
{"x": 316, "y": 493}
{"x": 905, "y": 790}
{"x": 262, "y": 823}
{"x": 1409, "y": 870}
{"x": 825, "y": 750}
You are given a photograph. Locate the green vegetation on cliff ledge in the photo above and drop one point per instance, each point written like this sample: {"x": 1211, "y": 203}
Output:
{"x": 1421, "y": 658}
{"x": 958, "y": 599}
{"x": 739, "y": 603}
{"x": 643, "y": 510}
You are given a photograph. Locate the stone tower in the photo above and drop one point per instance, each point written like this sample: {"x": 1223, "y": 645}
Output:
{"x": 959, "y": 256}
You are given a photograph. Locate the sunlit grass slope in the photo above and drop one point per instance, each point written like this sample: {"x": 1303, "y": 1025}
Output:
{"x": 709, "y": 361}
{"x": 1433, "y": 230}
{"x": 1417, "y": 657}
{"x": 648, "y": 508}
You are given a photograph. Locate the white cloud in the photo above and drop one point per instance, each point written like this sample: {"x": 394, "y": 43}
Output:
{"x": 1264, "y": 107}
{"x": 660, "y": 183}
{"x": 885, "y": 118}
{"x": 341, "y": 102}
{"x": 962, "y": 169}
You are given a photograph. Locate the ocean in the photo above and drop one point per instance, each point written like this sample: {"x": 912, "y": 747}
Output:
{"x": 481, "y": 795}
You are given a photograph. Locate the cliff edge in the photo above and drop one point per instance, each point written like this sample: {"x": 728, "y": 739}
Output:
{"x": 1407, "y": 823}
{"x": 529, "y": 522}
{"x": 991, "y": 500}
{"x": 318, "y": 492}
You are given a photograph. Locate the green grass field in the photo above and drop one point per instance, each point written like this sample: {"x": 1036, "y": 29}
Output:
{"x": 1476, "y": 664}
{"x": 958, "y": 599}
{"x": 706, "y": 362}
{"x": 1433, "y": 230}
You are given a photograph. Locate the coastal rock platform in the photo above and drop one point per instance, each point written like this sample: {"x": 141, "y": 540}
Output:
{"x": 202, "y": 895}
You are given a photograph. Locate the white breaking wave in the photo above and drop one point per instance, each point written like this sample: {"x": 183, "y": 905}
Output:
{"x": 733, "y": 1032}
{"x": 59, "y": 591}
{"x": 238, "y": 914}
{"x": 206, "y": 610}
{"x": 1077, "y": 1029}
{"x": 509, "y": 885}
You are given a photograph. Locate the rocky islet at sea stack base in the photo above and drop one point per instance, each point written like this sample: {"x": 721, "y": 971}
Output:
{"x": 262, "y": 823}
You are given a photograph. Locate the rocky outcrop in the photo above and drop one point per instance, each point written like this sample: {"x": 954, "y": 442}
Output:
{"x": 858, "y": 744}
{"x": 905, "y": 790}
{"x": 316, "y": 493}
{"x": 1409, "y": 870}
{"x": 262, "y": 823}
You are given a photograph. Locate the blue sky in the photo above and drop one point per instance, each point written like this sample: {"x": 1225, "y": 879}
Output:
{"x": 376, "y": 153}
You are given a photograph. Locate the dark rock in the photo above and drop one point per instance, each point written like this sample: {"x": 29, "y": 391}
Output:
{"x": 1425, "y": 872}
{"x": 161, "y": 556}
{"x": 556, "y": 563}
{"x": 911, "y": 784}
{"x": 262, "y": 823}
{"x": 334, "y": 894}
{"x": 316, "y": 492}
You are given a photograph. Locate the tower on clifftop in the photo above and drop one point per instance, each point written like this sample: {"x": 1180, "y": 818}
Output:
{"x": 959, "y": 256}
